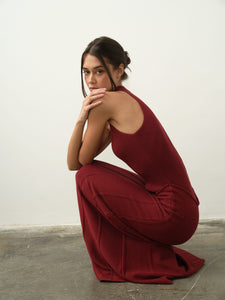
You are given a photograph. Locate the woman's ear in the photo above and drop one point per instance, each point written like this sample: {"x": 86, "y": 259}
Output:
{"x": 120, "y": 70}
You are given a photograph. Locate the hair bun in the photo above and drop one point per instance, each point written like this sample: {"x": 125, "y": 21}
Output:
{"x": 127, "y": 58}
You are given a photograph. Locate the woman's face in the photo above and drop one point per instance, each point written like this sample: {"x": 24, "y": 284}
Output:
{"x": 96, "y": 76}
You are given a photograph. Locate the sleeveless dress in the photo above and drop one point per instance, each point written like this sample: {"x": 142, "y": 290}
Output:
{"x": 131, "y": 220}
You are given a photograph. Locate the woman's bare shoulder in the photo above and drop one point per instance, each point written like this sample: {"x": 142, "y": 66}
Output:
{"x": 115, "y": 97}
{"x": 109, "y": 103}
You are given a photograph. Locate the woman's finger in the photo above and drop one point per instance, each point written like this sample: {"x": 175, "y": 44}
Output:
{"x": 90, "y": 106}
{"x": 95, "y": 97}
{"x": 97, "y": 91}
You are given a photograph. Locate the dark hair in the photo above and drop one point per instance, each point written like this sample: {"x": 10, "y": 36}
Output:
{"x": 112, "y": 51}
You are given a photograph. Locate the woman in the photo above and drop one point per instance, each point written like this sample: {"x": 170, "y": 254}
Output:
{"x": 130, "y": 220}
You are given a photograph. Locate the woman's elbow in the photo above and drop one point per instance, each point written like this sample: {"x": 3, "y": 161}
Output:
{"x": 85, "y": 159}
{"x": 86, "y": 162}
{"x": 74, "y": 167}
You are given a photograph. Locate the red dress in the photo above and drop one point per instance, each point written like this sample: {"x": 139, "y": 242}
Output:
{"x": 131, "y": 220}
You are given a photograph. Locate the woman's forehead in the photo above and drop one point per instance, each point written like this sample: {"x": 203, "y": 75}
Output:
{"x": 91, "y": 61}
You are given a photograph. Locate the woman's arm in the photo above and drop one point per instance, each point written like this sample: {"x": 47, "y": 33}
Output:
{"x": 93, "y": 138}
{"x": 76, "y": 138}
{"x": 74, "y": 146}
{"x": 106, "y": 139}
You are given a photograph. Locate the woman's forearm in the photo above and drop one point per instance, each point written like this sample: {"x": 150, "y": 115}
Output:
{"x": 74, "y": 146}
{"x": 91, "y": 101}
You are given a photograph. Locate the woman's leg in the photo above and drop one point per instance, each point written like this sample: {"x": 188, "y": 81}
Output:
{"x": 124, "y": 226}
{"x": 120, "y": 196}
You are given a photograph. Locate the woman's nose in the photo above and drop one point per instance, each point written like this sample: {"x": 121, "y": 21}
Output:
{"x": 91, "y": 78}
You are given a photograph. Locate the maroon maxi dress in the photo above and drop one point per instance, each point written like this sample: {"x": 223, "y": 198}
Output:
{"x": 131, "y": 220}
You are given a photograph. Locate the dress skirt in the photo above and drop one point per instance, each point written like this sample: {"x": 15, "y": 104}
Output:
{"x": 129, "y": 231}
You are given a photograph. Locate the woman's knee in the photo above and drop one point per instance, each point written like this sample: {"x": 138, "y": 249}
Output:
{"x": 86, "y": 171}
{"x": 82, "y": 172}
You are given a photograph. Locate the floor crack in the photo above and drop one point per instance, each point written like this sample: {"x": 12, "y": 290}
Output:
{"x": 197, "y": 279}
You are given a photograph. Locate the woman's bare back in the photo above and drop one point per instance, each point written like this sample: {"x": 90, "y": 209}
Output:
{"x": 127, "y": 114}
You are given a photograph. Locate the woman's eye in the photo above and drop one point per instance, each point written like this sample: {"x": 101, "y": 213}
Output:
{"x": 86, "y": 72}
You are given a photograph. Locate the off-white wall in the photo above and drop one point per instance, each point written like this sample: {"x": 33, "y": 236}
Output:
{"x": 178, "y": 68}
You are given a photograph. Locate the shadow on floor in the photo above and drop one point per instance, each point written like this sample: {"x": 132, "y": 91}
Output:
{"x": 53, "y": 263}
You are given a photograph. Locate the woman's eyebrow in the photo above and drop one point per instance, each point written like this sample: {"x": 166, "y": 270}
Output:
{"x": 94, "y": 67}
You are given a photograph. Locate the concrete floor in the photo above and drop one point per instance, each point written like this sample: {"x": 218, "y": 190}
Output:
{"x": 53, "y": 263}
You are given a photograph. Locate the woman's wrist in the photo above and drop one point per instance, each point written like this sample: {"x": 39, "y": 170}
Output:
{"x": 80, "y": 121}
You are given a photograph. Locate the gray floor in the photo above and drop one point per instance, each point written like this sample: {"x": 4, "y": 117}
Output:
{"x": 52, "y": 263}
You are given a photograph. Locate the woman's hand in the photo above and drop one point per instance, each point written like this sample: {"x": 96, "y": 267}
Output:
{"x": 88, "y": 103}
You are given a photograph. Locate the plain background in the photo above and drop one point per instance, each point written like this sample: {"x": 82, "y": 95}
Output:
{"x": 177, "y": 49}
